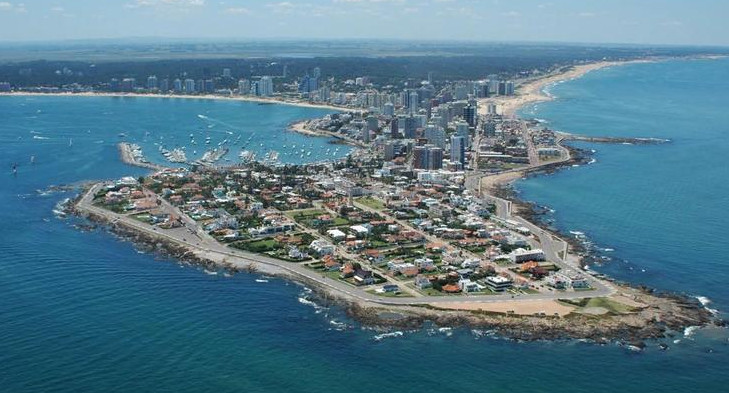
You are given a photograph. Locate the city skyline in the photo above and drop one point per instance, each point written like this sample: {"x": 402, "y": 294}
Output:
{"x": 667, "y": 22}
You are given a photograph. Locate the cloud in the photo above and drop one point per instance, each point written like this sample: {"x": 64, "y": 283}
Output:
{"x": 587, "y": 14}
{"x": 512, "y": 14}
{"x": 284, "y": 7}
{"x": 165, "y": 3}
{"x": 371, "y": 1}
{"x": 6, "y": 6}
{"x": 57, "y": 9}
{"x": 238, "y": 11}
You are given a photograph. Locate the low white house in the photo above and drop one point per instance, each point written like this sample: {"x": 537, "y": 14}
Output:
{"x": 336, "y": 234}
{"x": 521, "y": 255}
{"x": 321, "y": 247}
{"x": 499, "y": 283}
{"x": 359, "y": 230}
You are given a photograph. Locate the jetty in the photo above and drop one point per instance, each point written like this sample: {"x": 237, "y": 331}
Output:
{"x": 132, "y": 154}
{"x": 617, "y": 140}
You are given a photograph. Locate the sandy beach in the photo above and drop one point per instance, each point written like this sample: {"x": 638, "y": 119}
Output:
{"x": 261, "y": 100}
{"x": 531, "y": 92}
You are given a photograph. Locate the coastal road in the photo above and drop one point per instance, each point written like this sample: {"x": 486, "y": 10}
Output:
{"x": 555, "y": 248}
{"x": 223, "y": 255}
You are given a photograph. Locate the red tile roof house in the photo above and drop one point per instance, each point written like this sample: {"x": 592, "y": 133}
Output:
{"x": 410, "y": 271}
{"x": 374, "y": 256}
{"x": 347, "y": 271}
{"x": 451, "y": 288}
{"x": 330, "y": 264}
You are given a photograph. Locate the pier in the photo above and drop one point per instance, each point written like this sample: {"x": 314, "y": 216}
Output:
{"x": 132, "y": 155}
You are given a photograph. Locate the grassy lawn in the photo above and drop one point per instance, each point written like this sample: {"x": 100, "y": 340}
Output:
{"x": 258, "y": 246}
{"x": 389, "y": 294}
{"x": 530, "y": 291}
{"x": 144, "y": 217}
{"x": 485, "y": 292}
{"x": 308, "y": 217}
{"x": 338, "y": 221}
{"x": 602, "y": 302}
{"x": 370, "y": 202}
{"x": 304, "y": 214}
{"x": 427, "y": 291}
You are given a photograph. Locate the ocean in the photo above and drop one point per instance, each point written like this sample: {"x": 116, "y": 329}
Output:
{"x": 86, "y": 311}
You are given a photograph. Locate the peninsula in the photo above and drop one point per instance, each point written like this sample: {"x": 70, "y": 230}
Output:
{"x": 400, "y": 234}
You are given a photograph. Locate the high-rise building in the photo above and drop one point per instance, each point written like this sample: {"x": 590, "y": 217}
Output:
{"x": 177, "y": 85}
{"x": 509, "y": 88}
{"x": 493, "y": 85}
{"x": 413, "y": 102}
{"x": 469, "y": 115}
{"x": 458, "y": 150}
{"x": 114, "y": 84}
{"x": 461, "y": 92}
{"x": 420, "y": 157}
{"x": 372, "y": 123}
{"x": 128, "y": 84}
{"x": 502, "y": 88}
{"x": 5, "y": 86}
{"x": 435, "y": 135}
{"x": 435, "y": 158}
{"x": 226, "y": 72}
{"x": 389, "y": 150}
{"x": 410, "y": 125}
{"x": 164, "y": 85}
{"x": 365, "y": 134}
{"x": 244, "y": 86}
{"x": 462, "y": 131}
{"x": 316, "y": 73}
{"x": 308, "y": 84}
{"x": 491, "y": 109}
{"x": 324, "y": 94}
{"x": 152, "y": 82}
{"x": 388, "y": 109}
{"x": 394, "y": 128}
{"x": 209, "y": 86}
{"x": 189, "y": 86}
{"x": 265, "y": 86}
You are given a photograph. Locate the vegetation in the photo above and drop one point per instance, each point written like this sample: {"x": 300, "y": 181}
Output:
{"x": 371, "y": 202}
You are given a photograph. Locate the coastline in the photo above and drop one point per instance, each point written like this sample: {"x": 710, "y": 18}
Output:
{"x": 127, "y": 157}
{"x": 259, "y": 100}
{"x": 301, "y": 128}
{"x": 650, "y": 317}
{"x": 532, "y": 91}
{"x": 674, "y": 313}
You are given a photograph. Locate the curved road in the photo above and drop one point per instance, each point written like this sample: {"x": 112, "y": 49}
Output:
{"x": 209, "y": 248}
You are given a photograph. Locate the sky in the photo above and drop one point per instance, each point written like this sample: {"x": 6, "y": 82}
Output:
{"x": 681, "y": 22}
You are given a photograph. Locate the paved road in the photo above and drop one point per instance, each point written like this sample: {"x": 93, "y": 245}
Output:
{"x": 555, "y": 249}
{"x": 211, "y": 249}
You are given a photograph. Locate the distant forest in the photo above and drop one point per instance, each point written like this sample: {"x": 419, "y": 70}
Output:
{"x": 383, "y": 65}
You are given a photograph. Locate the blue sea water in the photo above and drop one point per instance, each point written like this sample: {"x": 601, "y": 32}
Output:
{"x": 85, "y": 311}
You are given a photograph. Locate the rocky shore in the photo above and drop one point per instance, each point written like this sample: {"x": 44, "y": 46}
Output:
{"x": 665, "y": 316}
{"x": 652, "y": 316}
